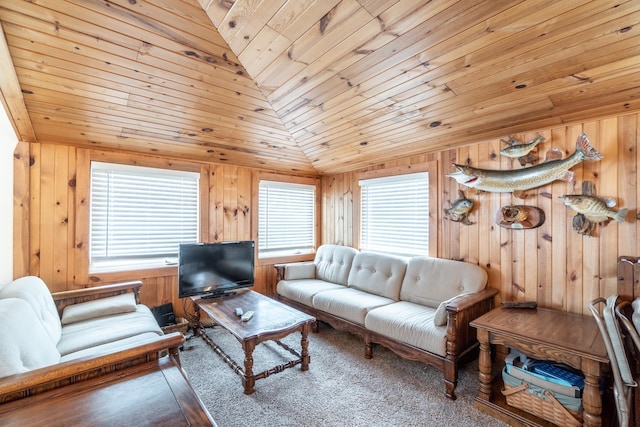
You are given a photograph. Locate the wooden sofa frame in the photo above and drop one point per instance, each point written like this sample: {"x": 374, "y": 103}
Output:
{"x": 18, "y": 386}
{"x": 462, "y": 342}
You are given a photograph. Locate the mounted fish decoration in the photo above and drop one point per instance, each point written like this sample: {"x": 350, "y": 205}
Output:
{"x": 519, "y": 217}
{"x": 517, "y": 149}
{"x": 504, "y": 181}
{"x": 595, "y": 209}
{"x": 592, "y": 210}
{"x": 460, "y": 209}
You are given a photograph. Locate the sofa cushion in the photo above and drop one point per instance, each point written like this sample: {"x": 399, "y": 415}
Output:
{"x": 35, "y": 292}
{"x": 123, "y": 303}
{"x": 303, "y": 290}
{"x": 378, "y": 274}
{"x": 349, "y": 303}
{"x": 409, "y": 323}
{"x": 93, "y": 332}
{"x": 333, "y": 263}
{"x": 26, "y": 345}
{"x": 429, "y": 281}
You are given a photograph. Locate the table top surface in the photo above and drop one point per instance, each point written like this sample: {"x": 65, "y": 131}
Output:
{"x": 269, "y": 315}
{"x": 576, "y": 333}
{"x": 154, "y": 393}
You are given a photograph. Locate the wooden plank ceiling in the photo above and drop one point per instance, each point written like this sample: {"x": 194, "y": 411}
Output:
{"x": 312, "y": 86}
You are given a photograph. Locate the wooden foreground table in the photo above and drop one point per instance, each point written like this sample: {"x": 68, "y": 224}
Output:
{"x": 156, "y": 393}
{"x": 272, "y": 321}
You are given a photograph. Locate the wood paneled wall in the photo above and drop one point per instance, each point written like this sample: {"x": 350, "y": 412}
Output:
{"x": 52, "y": 217}
{"x": 552, "y": 264}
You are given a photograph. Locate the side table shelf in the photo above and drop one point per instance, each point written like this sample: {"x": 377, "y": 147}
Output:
{"x": 545, "y": 334}
{"x": 498, "y": 408}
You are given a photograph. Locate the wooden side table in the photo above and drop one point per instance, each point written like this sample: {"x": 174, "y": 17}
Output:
{"x": 546, "y": 334}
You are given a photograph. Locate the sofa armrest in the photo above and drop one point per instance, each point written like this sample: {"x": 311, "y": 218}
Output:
{"x": 460, "y": 312}
{"x": 296, "y": 270}
{"x": 14, "y": 387}
{"x": 463, "y": 302}
{"x": 65, "y": 298}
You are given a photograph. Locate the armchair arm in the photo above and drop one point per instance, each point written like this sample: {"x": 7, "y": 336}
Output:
{"x": 65, "y": 298}
{"x": 26, "y": 384}
{"x": 460, "y": 312}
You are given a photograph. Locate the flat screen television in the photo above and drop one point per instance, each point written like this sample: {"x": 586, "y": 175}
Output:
{"x": 215, "y": 269}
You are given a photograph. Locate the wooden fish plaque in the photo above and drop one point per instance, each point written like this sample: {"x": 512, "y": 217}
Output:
{"x": 519, "y": 217}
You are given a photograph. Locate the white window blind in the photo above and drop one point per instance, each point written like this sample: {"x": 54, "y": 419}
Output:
{"x": 395, "y": 214}
{"x": 139, "y": 215}
{"x": 286, "y": 218}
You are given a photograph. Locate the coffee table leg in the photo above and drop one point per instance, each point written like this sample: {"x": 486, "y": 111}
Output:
{"x": 304, "y": 344}
{"x": 248, "y": 380}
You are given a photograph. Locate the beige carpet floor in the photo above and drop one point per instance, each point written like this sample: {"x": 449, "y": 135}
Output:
{"x": 341, "y": 388}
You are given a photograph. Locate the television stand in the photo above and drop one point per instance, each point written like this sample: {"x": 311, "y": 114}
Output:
{"x": 215, "y": 295}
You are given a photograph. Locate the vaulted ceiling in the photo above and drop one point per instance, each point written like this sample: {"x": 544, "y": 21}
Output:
{"x": 311, "y": 86}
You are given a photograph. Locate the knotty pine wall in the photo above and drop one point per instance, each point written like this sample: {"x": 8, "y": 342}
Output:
{"x": 552, "y": 264}
{"x": 51, "y": 223}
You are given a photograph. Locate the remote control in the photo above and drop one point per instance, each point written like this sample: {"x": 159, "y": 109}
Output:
{"x": 246, "y": 316}
{"x": 239, "y": 312}
{"x": 517, "y": 304}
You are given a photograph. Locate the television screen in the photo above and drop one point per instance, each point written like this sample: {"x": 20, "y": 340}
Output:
{"x": 213, "y": 269}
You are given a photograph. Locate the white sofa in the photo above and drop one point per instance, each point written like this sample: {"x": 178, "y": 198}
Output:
{"x": 51, "y": 339}
{"x": 419, "y": 307}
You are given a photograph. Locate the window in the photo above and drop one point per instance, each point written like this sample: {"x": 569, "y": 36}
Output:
{"x": 395, "y": 214}
{"x": 286, "y": 218}
{"x": 139, "y": 216}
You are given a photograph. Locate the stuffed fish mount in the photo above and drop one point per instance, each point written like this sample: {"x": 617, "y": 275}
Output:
{"x": 460, "y": 209}
{"x": 596, "y": 210}
{"x": 520, "y": 180}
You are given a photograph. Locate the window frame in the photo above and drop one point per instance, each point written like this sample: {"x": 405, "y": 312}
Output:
{"x": 83, "y": 213}
{"x": 431, "y": 168}
{"x": 267, "y": 176}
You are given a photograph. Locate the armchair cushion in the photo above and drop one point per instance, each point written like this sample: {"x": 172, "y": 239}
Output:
{"x": 35, "y": 292}
{"x": 26, "y": 345}
{"x": 123, "y": 303}
{"x": 101, "y": 330}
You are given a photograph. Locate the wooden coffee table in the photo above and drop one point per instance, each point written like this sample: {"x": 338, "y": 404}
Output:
{"x": 272, "y": 321}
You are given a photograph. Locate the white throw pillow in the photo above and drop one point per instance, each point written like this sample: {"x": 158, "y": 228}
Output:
{"x": 440, "y": 318}
{"x": 123, "y": 303}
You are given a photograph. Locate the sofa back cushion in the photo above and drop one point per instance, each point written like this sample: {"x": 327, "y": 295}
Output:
{"x": 35, "y": 292}
{"x": 333, "y": 263}
{"x": 378, "y": 274}
{"x": 26, "y": 345}
{"x": 429, "y": 281}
